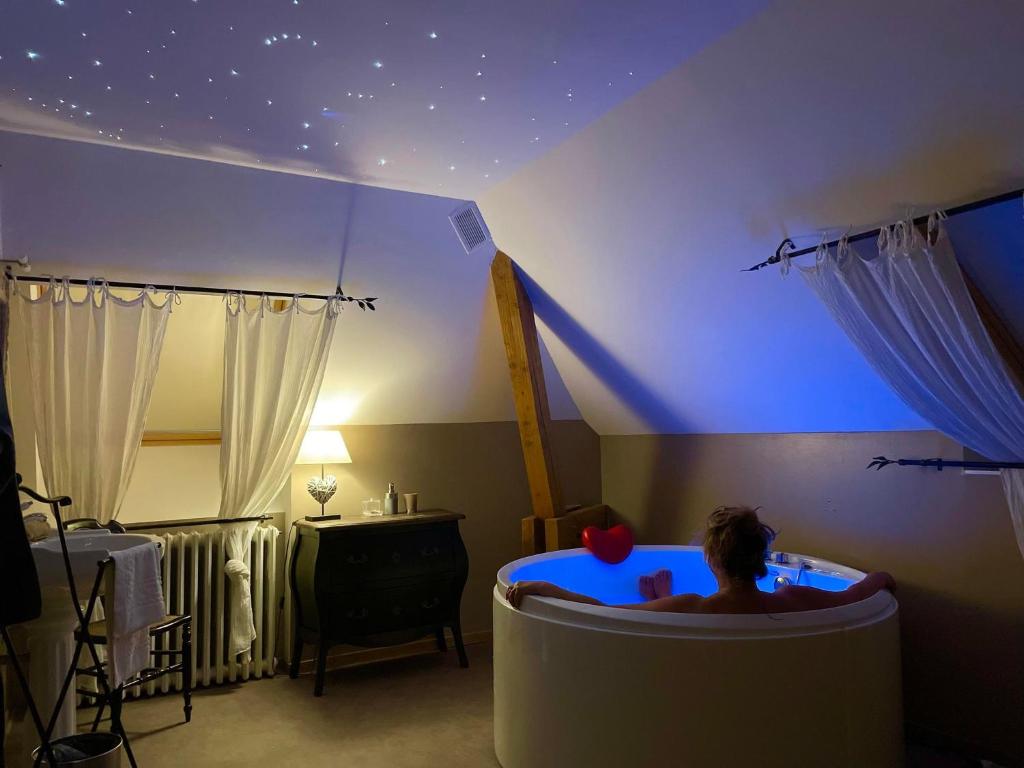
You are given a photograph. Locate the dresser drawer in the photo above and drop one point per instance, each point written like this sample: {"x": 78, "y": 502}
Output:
{"x": 385, "y": 610}
{"x": 375, "y": 558}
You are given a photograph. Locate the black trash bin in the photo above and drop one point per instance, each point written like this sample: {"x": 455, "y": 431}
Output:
{"x": 85, "y": 750}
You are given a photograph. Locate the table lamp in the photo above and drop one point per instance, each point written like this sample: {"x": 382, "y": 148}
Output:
{"x": 323, "y": 446}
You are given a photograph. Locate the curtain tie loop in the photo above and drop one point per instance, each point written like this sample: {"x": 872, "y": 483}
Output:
{"x": 821, "y": 252}
{"x": 784, "y": 261}
{"x": 843, "y": 249}
{"x": 883, "y": 240}
{"x": 233, "y": 300}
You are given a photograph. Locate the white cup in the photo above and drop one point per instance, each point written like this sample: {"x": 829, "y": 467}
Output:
{"x": 411, "y": 503}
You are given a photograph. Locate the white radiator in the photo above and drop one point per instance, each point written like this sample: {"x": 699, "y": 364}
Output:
{"x": 194, "y": 582}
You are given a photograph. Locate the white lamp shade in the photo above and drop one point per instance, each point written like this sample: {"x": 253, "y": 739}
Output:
{"x": 323, "y": 446}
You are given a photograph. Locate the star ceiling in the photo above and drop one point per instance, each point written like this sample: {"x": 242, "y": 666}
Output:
{"x": 442, "y": 97}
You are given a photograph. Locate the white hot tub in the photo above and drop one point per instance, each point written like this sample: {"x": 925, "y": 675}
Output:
{"x": 595, "y": 687}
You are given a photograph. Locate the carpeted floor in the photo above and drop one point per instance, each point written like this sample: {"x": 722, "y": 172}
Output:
{"x": 409, "y": 713}
{"x": 412, "y": 713}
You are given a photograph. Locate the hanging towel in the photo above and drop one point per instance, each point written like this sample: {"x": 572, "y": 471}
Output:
{"x": 137, "y": 600}
{"x": 243, "y": 632}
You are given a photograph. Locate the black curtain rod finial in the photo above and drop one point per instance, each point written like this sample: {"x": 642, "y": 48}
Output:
{"x": 878, "y": 462}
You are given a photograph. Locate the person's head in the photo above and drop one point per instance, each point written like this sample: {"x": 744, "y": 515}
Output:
{"x": 736, "y": 542}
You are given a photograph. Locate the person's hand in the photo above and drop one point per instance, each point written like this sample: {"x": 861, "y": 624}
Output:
{"x": 520, "y": 589}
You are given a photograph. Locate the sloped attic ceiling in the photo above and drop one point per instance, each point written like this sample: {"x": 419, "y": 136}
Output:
{"x": 432, "y": 353}
{"x": 441, "y": 96}
{"x": 809, "y": 116}
{"x": 803, "y": 116}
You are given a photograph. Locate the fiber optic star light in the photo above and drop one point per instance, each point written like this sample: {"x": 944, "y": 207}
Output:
{"x": 153, "y": 62}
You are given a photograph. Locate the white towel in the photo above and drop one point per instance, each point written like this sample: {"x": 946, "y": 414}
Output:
{"x": 243, "y": 631}
{"x": 137, "y": 600}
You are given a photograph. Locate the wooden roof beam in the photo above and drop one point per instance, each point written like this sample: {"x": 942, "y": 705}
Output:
{"x": 522, "y": 348}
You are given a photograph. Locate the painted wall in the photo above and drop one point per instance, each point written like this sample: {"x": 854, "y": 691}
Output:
{"x": 191, "y": 472}
{"x": 811, "y": 115}
{"x": 476, "y": 469}
{"x": 431, "y": 353}
{"x": 947, "y": 538}
{"x": 430, "y": 356}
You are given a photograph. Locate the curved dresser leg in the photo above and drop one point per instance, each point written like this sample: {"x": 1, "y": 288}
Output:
{"x": 321, "y": 666}
{"x": 459, "y": 647}
{"x": 293, "y": 668}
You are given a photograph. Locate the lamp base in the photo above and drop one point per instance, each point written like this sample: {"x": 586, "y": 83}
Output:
{"x": 322, "y": 489}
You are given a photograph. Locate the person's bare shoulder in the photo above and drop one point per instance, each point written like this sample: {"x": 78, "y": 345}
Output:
{"x": 687, "y": 603}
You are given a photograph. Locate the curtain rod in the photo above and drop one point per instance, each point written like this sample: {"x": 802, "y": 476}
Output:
{"x": 194, "y": 522}
{"x": 873, "y": 233}
{"x": 939, "y": 464}
{"x": 364, "y": 303}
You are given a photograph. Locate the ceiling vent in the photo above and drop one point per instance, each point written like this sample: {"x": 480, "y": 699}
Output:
{"x": 469, "y": 226}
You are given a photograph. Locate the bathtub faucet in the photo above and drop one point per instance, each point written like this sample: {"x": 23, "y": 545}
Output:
{"x": 782, "y": 581}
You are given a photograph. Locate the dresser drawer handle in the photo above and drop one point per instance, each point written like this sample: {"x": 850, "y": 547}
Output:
{"x": 353, "y": 560}
{"x": 362, "y": 613}
{"x": 396, "y": 557}
{"x": 431, "y": 603}
{"x": 430, "y": 551}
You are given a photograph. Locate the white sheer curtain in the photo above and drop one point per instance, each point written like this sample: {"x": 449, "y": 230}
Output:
{"x": 92, "y": 364}
{"x": 274, "y": 362}
{"x": 911, "y": 315}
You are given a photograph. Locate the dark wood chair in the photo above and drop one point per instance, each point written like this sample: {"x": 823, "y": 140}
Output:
{"x": 165, "y": 662}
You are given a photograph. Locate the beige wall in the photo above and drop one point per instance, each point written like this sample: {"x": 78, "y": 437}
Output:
{"x": 475, "y": 469}
{"x": 179, "y": 482}
{"x": 947, "y": 538}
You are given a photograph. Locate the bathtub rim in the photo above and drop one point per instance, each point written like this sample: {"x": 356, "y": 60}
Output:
{"x": 874, "y": 609}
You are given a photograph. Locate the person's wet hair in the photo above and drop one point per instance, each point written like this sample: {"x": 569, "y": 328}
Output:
{"x": 737, "y": 542}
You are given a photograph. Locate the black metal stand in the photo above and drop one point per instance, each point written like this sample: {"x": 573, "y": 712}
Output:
{"x": 37, "y": 721}
{"x": 47, "y": 748}
{"x": 83, "y": 635}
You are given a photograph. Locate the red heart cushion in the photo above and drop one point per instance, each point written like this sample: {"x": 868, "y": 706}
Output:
{"x": 611, "y": 546}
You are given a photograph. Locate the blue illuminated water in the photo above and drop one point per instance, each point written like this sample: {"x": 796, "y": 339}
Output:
{"x": 617, "y": 584}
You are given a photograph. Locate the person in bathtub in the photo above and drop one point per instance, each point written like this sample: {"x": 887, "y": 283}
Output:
{"x": 735, "y": 545}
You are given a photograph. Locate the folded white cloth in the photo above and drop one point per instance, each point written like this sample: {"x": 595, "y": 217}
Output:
{"x": 135, "y": 601}
{"x": 243, "y": 632}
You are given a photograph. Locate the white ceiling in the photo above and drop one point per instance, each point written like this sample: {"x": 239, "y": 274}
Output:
{"x": 431, "y": 353}
{"x": 810, "y": 116}
{"x": 445, "y": 96}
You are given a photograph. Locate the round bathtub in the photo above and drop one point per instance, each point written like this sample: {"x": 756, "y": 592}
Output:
{"x": 589, "y": 686}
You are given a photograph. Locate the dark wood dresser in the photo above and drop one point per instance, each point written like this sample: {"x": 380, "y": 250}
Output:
{"x": 376, "y": 581}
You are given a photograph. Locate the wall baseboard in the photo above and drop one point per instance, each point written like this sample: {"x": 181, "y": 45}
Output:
{"x": 360, "y": 656}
